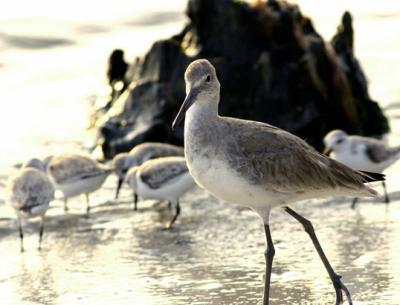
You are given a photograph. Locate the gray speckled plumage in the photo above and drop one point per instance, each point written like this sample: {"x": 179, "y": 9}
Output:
{"x": 278, "y": 160}
{"x": 67, "y": 168}
{"x": 151, "y": 150}
{"x": 158, "y": 172}
{"x": 29, "y": 189}
{"x": 376, "y": 150}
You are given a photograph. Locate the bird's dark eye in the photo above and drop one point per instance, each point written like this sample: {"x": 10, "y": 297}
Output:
{"x": 339, "y": 141}
{"x": 208, "y": 79}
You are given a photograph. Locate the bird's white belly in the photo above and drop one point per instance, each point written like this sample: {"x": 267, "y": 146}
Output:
{"x": 170, "y": 191}
{"x": 83, "y": 186}
{"x": 218, "y": 178}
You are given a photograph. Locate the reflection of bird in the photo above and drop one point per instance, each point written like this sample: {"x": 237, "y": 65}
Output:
{"x": 117, "y": 67}
{"x": 258, "y": 165}
{"x": 76, "y": 174}
{"x": 139, "y": 154}
{"x": 165, "y": 178}
{"x": 30, "y": 194}
{"x": 361, "y": 153}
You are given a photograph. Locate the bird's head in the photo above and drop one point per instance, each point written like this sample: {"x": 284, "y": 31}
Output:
{"x": 202, "y": 87}
{"x": 121, "y": 164}
{"x": 335, "y": 141}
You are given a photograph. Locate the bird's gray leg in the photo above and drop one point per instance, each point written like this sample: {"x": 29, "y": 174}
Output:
{"x": 269, "y": 256}
{"x": 41, "y": 230}
{"x": 336, "y": 281}
{"x": 135, "y": 200}
{"x": 387, "y": 200}
{"x": 65, "y": 204}
{"x": 119, "y": 184}
{"x": 21, "y": 234}
{"x": 178, "y": 211}
{"x": 169, "y": 205}
{"x": 87, "y": 205}
{"x": 353, "y": 204}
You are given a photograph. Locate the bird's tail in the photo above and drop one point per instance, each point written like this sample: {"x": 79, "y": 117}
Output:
{"x": 372, "y": 177}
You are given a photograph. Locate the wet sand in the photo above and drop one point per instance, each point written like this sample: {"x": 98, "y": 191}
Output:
{"x": 214, "y": 255}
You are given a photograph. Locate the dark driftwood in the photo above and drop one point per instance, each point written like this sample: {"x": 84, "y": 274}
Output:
{"x": 273, "y": 67}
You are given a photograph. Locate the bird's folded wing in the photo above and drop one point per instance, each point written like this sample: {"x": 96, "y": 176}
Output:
{"x": 155, "y": 176}
{"x": 377, "y": 152}
{"x": 282, "y": 162}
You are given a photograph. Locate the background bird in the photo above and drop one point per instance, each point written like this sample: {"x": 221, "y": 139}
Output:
{"x": 139, "y": 154}
{"x": 75, "y": 174}
{"x": 30, "y": 194}
{"x": 165, "y": 178}
{"x": 361, "y": 153}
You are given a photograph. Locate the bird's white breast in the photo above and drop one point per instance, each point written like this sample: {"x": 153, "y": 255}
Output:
{"x": 218, "y": 178}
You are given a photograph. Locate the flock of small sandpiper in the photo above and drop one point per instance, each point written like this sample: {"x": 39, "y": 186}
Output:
{"x": 244, "y": 162}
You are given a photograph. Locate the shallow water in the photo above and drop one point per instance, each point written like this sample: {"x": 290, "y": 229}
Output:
{"x": 214, "y": 255}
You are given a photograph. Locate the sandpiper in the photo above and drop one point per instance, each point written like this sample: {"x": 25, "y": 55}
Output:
{"x": 258, "y": 165}
{"x": 75, "y": 174}
{"x": 30, "y": 194}
{"x": 139, "y": 154}
{"x": 164, "y": 178}
{"x": 361, "y": 153}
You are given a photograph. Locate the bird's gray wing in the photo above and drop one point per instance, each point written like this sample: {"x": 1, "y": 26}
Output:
{"x": 281, "y": 161}
{"x": 155, "y": 174}
{"x": 378, "y": 152}
{"x": 68, "y": 168}
{"x": 151, "y": 150}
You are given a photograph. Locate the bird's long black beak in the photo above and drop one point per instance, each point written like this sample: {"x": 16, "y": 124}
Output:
{"x": 120, "y": 181}
{"x": 327, "y": 151}
{"x": 189, "y": 100}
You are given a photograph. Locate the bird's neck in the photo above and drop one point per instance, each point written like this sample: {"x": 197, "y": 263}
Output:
{"x": 201, "y": 119}
{"x": 202, "y": 111}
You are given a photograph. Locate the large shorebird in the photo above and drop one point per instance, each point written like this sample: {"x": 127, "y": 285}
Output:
{"x": 30, "y": 194}
{"x": 258, "y": 165}
{"x": 75, "y": 174}
{"x": 361, "y": 153}
{"x": 165, "y": 178}
{"x": 139, "y": 154}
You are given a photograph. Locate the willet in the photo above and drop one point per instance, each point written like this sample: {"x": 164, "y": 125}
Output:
{"x": 361, "y": 153}
{"x": 75, "y": 174}
{"x": 258, "y": 165}
{"x": 165, "y": 178}
{"x": 139, "y": 154}
{"x": 30, "y": 194}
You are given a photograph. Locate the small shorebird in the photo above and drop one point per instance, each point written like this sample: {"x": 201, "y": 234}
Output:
{"x": 139, "y": 154}
{"x": 258, "y": 165}
{"x": 30, "y": 194}
{"x": 76, "y": 174}
{"x": 361, "y": 153}
{"x": 166, "y": 178}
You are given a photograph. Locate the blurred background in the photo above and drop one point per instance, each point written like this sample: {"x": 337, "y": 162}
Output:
{"x": 53, "y": 62}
